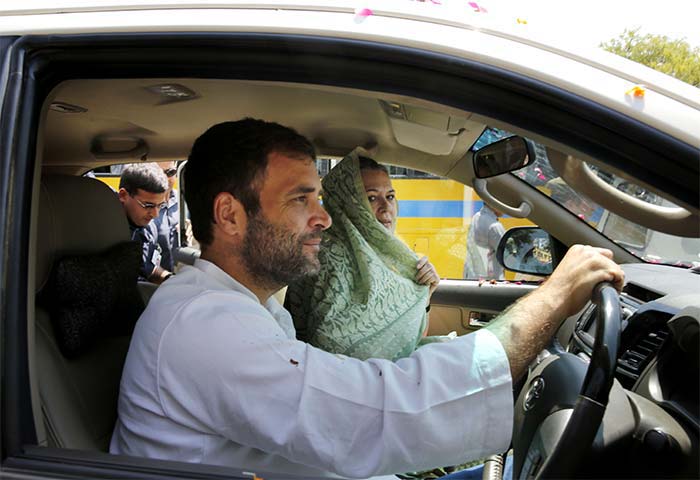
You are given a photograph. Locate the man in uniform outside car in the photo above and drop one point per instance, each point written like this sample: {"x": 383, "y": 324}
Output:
{"x": 142, "y": 190}
{"x": 168, "y": 219}
{"x": 485, "y": 233}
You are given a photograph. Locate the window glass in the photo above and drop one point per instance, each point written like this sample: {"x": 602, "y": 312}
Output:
{"x": 646, "y": 243}
{"x": 490, "y": 136}
{"x": 435, "y": 217}
{"x": 448, "y": 222}
{"x": 324, "y": 165}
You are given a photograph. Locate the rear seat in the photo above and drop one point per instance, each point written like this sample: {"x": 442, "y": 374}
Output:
{"x": 78, "y": 217}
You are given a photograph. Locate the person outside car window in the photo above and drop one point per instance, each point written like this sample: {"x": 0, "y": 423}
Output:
{"x": 142, "y": 190}
{"x": 485, "y": 232}
{"x": 167, "y": 221}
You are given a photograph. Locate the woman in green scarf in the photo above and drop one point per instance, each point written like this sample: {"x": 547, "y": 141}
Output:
{"x": 369, "y": 299}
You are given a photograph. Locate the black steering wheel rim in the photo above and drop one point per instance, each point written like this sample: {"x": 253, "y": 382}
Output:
{"x": 588, "y": 404}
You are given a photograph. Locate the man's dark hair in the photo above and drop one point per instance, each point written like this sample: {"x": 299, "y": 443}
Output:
{"x": 148, "y": 177}
{"x": 367, "y": 163}
{"x": 232, "y": 157}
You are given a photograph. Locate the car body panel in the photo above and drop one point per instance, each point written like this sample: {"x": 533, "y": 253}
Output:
{"x": 604, "y": 86}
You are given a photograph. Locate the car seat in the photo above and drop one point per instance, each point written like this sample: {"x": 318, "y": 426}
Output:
{"x": 78, "y": 216}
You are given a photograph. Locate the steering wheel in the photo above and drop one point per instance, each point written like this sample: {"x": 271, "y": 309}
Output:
{"x": 561, "y": 406}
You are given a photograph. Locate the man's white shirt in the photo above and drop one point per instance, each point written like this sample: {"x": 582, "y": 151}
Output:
{"x": 214, "y": 377}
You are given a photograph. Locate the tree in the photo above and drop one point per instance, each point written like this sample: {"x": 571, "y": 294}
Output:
{"x": 673, "y": 57}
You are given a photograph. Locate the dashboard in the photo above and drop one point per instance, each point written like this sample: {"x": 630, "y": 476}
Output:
{"x": 658, "y": 365}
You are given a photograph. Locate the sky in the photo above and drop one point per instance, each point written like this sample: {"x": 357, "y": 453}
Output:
{"x": 588, "y": 23}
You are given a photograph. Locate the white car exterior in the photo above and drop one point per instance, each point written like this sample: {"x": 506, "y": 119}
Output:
{"x": 668, "y": 104}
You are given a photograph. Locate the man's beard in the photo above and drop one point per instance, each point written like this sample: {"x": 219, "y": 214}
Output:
{"x": 274, "y": 255}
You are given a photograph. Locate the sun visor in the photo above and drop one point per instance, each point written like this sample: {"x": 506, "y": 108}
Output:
{"x": 428, "y": 131}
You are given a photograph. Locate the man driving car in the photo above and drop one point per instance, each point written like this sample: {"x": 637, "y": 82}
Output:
{"x": 215, "y": 375}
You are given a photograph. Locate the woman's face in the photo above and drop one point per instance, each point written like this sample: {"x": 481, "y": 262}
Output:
{"x": 381, "y": 196}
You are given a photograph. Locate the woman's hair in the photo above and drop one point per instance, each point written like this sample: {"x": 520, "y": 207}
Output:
{"x": 367, "y": 163}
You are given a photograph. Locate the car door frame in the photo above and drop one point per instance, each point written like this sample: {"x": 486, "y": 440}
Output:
{"x": 18, "y": 118}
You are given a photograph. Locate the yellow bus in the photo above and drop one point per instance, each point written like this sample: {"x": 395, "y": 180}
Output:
{"x": 434, "y": 219}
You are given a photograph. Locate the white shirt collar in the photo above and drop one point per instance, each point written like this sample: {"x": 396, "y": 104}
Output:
{"x": 227, "y": 281}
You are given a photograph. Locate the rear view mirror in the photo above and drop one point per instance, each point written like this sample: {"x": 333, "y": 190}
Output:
{"x": 529, "y": 250}
{"x": 503, "y": 156}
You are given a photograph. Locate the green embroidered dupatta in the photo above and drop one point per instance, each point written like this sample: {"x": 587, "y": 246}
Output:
{"x": 364, "y": 303}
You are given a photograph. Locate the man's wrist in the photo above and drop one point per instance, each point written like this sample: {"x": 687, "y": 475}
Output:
{"x": 551, "y": 301}
{"x": 160, "y": 275}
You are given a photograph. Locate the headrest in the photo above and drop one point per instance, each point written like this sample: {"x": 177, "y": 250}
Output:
{"x": 77, "y": 216}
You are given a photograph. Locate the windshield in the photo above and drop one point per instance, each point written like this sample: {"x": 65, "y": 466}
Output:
{"x": 647, "y": 244}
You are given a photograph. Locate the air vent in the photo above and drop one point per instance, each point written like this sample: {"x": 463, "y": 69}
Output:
{"x": 636, "y": 358}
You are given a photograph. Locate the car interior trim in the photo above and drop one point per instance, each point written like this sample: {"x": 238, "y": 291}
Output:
{"x": 455, "y": 82}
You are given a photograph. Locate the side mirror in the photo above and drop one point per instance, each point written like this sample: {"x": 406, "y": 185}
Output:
{"x": 529, "y": 250}
{"x": 503, "y": 156}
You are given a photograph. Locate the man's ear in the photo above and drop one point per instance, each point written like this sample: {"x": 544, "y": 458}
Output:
{"x": 122, "y": 193}
{"x": 229, "y": 216}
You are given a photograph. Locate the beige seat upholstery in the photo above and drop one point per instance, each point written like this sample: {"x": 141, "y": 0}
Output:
{"x": 77, "y": 216}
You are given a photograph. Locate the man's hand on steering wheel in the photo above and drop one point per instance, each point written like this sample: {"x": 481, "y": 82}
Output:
{"x": 582, "y": 268}
{"x": 527, "y": 327}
